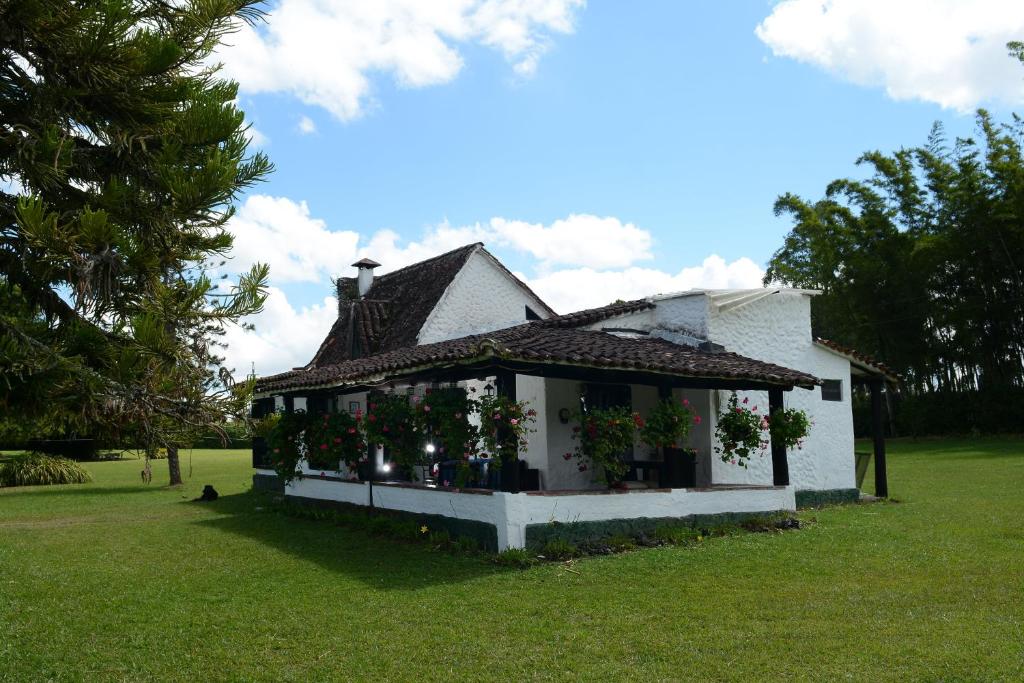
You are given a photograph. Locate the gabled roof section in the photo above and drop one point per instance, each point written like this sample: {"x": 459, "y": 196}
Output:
{"x": 866, "y": 364}
{"x": 539, "y": 344}
{"x": 594, "y": 315}
{"x": 396, "y": 306}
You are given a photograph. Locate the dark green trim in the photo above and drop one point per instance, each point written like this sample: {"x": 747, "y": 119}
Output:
{"x": 810, "y": 498}
{"x": 538, "y": 535}
{"x": 267, "y": 482}
{"x": 486, "y": 535}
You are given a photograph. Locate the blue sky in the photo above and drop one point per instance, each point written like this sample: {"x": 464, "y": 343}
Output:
{"x": 653, "y": 135}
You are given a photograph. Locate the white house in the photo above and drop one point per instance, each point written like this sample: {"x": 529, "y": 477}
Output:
{"x": 463, "y": 319}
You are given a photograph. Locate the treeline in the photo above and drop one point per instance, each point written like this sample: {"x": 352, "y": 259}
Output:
{"x": 920, "y": 266}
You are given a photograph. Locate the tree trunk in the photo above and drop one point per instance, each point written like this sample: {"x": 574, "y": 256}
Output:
{"x": 174, "y": 465}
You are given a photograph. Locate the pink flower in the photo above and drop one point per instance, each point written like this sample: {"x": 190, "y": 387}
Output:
{"x": 696, "y": 419}
{"x": 686, "y": 402}
{"x": 446, "y": 483}
{"x": 754, "y": 409}
{"x": 513, "y": 421}
{"x": 567, "y": 456}
{"x": 739, "y": 410}
{"x": 426, "y": 408}
{"x": 337, "y": 439}
{"x": 323, "y": 447}
{"x": 746, "y": 400}
{"x": 385, "y": 429}
{"x": 351, "y": 430}
{"x": 371, "y": 418}
{"x": 323, "y": 474}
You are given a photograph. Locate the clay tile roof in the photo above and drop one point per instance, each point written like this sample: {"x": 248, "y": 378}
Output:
{"x": 863, "y": 361}
{"x": 394, "y": 309}
{"x": 593, "y": 315}
{"x": 542, "y": 343}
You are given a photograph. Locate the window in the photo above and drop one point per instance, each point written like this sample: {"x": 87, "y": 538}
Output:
{"x": 832, "y": 390}
{"x": 531, "y": 314}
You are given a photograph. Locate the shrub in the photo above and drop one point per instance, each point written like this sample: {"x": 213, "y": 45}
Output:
{"x": 678, "y": 534}
{"x": 515, "y": 557}
{"x": 36, "y": 469}
{"x": 559, "y": 549}
{"x": 604, "y": 437}
{"x": 667, "y": 424}
{"x": 621, "y": 542}
{"x": 467, "y": 544}
{"x": 332, "y": 438}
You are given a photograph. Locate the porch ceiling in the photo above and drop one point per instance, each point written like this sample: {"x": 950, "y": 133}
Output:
{"x": 546, "y": 349}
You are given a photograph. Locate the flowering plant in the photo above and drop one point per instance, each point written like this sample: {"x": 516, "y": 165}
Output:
{"x": 789, "y": 427}
{"x": 390, "y": 421}
{"x": 740, "y": 432}
{"x": 332, "y": 438}
{"x": 444, "y": 417}
{"x": 603, "y": 437}
{"x": 668, "y": 423}
{"x": 504, "y": 424}
{"x": 285, "y": 444}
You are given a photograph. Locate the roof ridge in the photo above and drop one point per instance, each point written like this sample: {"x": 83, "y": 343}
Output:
{"x": 427, "y": 261}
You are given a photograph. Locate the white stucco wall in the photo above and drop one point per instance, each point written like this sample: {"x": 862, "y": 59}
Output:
{"x": 777, "y": 329}
{"x": 481, "y": 298}
{"x": 511, "y": 513}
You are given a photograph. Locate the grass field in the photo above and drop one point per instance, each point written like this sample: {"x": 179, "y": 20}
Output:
{"x": 115, "y": 580}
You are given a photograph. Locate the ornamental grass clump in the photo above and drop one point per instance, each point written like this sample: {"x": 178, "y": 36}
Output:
{"x": 604, "y": 436}
{"x": 36, "y": 469}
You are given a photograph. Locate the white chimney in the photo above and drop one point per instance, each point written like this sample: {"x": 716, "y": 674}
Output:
{"x": 365, "y": 277}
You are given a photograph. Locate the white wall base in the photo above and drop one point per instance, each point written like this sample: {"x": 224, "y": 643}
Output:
{"x": 511, "y": 513}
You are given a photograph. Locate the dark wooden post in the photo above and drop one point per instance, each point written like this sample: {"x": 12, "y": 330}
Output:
{"x": 289, "y": 404}
{"x": 505, "y": 385}
{"x": 878, "y": 431}
{"x": 780, "y": 462}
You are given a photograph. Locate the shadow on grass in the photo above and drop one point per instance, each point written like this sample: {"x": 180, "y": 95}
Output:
{"x": 63, "y": 490}
{"x": 379, "y": 562}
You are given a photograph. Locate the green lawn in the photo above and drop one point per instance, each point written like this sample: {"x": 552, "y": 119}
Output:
{"x": 115, "y": 580}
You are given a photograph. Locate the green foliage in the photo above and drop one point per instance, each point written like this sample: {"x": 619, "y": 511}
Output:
{"x": 920, "y": 263}
{"x": 391, "y": 422}
{"x": 126, "y": 151}
{"x": 332, "y": 438}
{"x": 678, "y": 534}
{"x": 789, "y": 427}
{"x": 740, "y": 432}
{"x": 518, "y": 558}
{"x": 36, "y": 469}
{"x": 559, "y": 549}
{"x": 667, "y": 424}
{"x": 504, "y": 426}
{"x": 603, "y": 437}
{"x": 285, "y": 445}
{"x": 444, "y": 416}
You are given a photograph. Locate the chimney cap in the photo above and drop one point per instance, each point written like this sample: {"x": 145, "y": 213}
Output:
{"x": 365, "y": 263}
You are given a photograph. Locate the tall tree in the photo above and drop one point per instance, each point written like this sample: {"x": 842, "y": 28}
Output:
{"x": 920, "y": 264}
{"x": 121, "y": 152}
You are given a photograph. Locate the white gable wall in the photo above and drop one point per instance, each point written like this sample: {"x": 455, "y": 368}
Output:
{"x": 777, "y": 329}
{"x": 481, "y": 297}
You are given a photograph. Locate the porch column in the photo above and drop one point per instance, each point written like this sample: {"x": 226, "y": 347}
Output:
{"x": 289, "y": 403}
{"x": 780, "y": 462}
{"x": 878, "y": 431}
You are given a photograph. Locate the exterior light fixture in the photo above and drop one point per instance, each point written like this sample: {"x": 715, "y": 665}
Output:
{"x": 430, "y": 448}
{"x": 386, "y": 467}
{"x": 489, "y": 389}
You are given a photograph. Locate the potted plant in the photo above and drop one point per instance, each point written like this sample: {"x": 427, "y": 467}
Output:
{"x": 740, "y": 432}
{"x": 666, "y": 425}
{"x": 504, "y": 425}
{"x": 603, "y": 438}
{"x": 789, "y": 427}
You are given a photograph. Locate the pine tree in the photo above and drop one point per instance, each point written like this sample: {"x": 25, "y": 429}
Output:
{"x": 121, "y": 154}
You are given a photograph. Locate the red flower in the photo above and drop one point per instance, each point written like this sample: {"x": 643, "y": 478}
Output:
{"x": 371, "y": 418}
{"x": 696, "y": 419}
{"x": 746, "y": 399}
{"x": 351, "y": 430}
{"x": 323, "y": 447}
{"x": 337, "y": 439}
{"x": 686, "y": 402}
{"x": 567, "y": 456}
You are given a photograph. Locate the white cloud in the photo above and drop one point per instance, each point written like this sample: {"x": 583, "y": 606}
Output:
{"x": 578, "y": 288}
{"x": 579, "y": 240}
{"x": 256, "y": 137}
{"x": 281, "y": 233}
{"x": 950, "y": 52}
{"x": 306, "y": 125}
{"x": 284, "y": 338}
{"x": 323, "y": 51}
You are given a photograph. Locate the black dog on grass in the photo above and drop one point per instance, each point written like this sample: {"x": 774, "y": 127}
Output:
{"x": 209, "y": 493}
